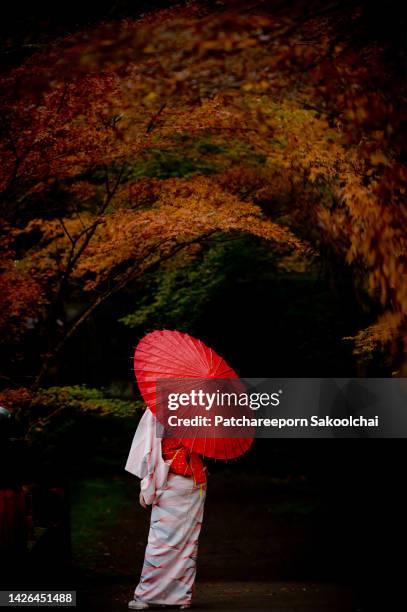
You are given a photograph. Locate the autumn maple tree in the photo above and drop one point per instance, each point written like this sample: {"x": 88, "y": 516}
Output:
{"x": 131, "y": 144}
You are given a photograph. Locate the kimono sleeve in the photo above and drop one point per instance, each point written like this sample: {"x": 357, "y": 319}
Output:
{"x": 145, "y": 458}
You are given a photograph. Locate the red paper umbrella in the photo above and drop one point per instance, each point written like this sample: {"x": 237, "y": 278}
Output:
{"x": 172, "y": 354}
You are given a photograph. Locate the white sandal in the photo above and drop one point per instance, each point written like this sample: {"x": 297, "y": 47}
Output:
{"x": 138, "y": 605}
{"x": 141, "y": 605}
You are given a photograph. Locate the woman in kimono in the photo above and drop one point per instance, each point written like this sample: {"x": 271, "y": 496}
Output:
{"x": 173, "y": 482}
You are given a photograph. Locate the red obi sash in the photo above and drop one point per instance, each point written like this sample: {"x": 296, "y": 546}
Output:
{"x": 184, "y": 461}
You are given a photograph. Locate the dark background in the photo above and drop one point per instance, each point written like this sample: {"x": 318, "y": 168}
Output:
{"x": 353, "y": 528}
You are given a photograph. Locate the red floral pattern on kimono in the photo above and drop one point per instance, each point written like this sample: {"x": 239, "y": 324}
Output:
{"x": 184, "y": 461}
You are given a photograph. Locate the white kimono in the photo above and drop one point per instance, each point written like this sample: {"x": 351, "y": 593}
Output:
{"x": 169, "y": 568}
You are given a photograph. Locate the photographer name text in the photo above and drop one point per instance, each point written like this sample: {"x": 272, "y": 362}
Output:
{"x": 278, "y": 423}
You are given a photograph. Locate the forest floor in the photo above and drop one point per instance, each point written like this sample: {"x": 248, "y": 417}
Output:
{"x": 266, "y": 556}
{"x": 261, "y": 596}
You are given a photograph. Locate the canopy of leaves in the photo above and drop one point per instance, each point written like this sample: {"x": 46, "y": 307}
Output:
{"x": 132, "y": 144}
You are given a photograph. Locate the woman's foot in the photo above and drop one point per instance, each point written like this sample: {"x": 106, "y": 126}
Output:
{"x": 135, "y": 604}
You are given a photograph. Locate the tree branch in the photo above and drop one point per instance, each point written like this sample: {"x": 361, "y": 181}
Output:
{"x": 120, "y": 284}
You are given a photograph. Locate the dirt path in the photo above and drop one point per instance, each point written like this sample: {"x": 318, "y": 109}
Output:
{"x": 260, "y": 596}
{"x": 258, "y": 547}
